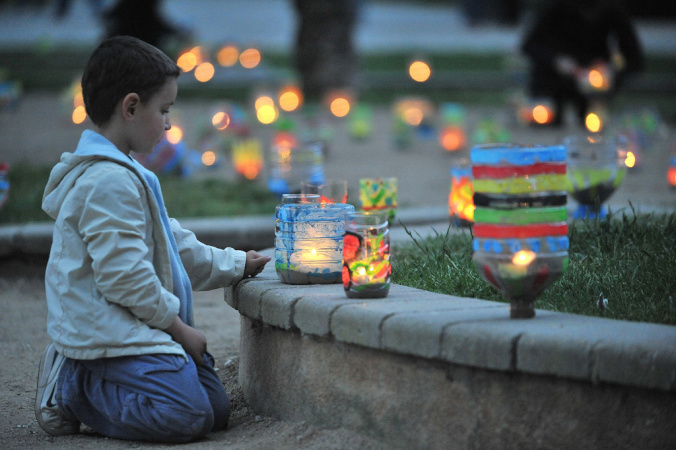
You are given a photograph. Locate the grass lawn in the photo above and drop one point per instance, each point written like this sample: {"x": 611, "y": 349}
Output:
{"x": 628, "y": 259}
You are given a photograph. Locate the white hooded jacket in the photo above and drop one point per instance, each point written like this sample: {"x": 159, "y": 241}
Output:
{"x": 108, "y": 279}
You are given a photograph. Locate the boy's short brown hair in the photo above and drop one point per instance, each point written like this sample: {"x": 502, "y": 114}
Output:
{"x": 119, "y": 66}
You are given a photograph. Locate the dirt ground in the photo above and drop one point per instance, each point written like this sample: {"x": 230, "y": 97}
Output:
{"x": 23, "y": 337}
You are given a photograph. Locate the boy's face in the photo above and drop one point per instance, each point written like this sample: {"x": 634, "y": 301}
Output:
{"x": 153, "y": 118}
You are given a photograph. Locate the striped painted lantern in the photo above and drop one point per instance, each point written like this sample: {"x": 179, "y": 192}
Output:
{"x": 309, "y": 240}
{"x": 520, "y": 230}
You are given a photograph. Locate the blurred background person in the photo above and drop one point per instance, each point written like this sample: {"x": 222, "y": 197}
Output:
{"x": 325, "y": 56}
{"x": 570, "y": 38}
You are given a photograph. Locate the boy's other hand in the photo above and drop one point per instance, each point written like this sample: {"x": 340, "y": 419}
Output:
{"x": 255, "y": 263}
{"x": 191, "y": 339}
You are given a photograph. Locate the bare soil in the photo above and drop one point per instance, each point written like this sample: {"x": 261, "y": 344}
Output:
{"x": 23, "y": 337}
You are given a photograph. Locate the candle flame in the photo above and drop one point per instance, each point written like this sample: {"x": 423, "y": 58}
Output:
{"x": 523, "y": 257}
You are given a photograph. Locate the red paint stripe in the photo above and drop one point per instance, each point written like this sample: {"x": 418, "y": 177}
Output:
{"x": 482, "y": 230}
{"x": 517, "y": 171}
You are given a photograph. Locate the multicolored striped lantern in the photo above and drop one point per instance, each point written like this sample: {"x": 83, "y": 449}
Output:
{"x": 520, "y": 230}
{"x": 309, "y": 240}
{"x": 366, "y": 255}
{"x": 379, "y": 194}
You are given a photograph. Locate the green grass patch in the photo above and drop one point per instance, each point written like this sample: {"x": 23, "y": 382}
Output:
{"x": 184, "y": 197}
{"x": 628, "y": 258}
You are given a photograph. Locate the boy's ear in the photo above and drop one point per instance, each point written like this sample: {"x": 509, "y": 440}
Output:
{"x": 130, "y": 103}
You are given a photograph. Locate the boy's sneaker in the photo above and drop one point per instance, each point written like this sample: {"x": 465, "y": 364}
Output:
{"x": 49, "y": 416}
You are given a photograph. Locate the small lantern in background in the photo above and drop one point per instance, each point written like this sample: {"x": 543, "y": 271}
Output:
{"x": 520, "y": 230}
{"x": 489, "y": 130}
{"x": 366, "y": 255}
{"x": 461, "y": 196}
{"x": 596, "y": 168}
{"x": 416, "y": 112}
{"x": 247, "y": 158}
{"x": 379, "y": 194}
{"x": 227, "y": 55}
{"x": 360, "y": 122}
{"x": 4, "y": 183}
{"x": 452, "y": 136}
{"x": 291, "y": 163}
{"x": 671, "y": 172}
{"x": 290, "y": 97}
{"x": 331, "y": 191}
{"x": 538, "y": 112}
{"x": 309, "y": 241}
{"x": 596, "y": 119}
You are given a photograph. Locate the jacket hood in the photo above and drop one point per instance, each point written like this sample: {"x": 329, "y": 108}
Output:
{"x": 91, "y": 148}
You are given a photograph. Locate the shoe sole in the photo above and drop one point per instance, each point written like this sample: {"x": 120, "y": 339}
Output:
{"x": 42, "y": 383}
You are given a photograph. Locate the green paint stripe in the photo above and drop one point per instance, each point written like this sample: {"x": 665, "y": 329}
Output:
{"x": 520, "y": 216}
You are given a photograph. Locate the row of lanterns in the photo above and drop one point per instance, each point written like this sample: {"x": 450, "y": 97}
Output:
{"x": 595, "y": 170}
{"x": 320, "y": 239}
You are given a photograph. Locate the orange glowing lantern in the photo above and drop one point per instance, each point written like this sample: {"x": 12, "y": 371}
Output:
{"x": 227, "y": 56}
{"x": 452, "y": 138}
{"x": 671, "y": 172}
{"x": 419, "y": 71}
{"x": 250, "y": 58}
{"x": 461, "y": 197}
{"x": 190, "y": 59}
{"x": 247, "y": 158}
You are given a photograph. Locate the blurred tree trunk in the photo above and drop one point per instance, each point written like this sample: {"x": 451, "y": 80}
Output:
{"x": 325, "y": 56}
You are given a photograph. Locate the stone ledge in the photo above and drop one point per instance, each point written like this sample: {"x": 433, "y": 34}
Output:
{"x": 468, "y": 332}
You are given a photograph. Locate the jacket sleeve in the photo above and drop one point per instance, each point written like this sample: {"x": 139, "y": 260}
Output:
{"x": 208, "y": 267}
{"x": 113, "y": 225}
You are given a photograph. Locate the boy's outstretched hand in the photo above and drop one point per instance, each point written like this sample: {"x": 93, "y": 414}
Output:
{"x": 255, "y": 263}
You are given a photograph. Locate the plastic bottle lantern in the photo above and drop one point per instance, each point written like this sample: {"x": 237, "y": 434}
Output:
{"x": 292, "y": 164}
{"x": 520, "y": 230}
{"x": 309, "y": 240}
{"x": 595, "y": 170}
{"x": 331, "y": 191}
{"x": 366, "y": 255}
{"x": 379, "y": 194}
{"x": 461, "y": 196}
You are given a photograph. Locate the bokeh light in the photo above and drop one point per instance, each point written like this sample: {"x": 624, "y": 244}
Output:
{"x": 189, "y": 59}
{"x": 541, "y": 114}
{"x": 267, "y": 114}
{"x": 227, "y": 56}
{"x": 452, "y": 138}
{"x": 413, "y": 116}
{"x": 250, "y": 58}
{"x": 420, "y": 71}
{"x": 630, "y": 160}
{"x": 220, "y": 120}
{"x": 593, "y": 122}
{"x": 208, "y": 158}
{"x": 340, "y": 107}
{"x": 596, "y": 79}
{"x": 262, "y": 101}
{"x": 204, "y": 72}
{"x": 79, "y": 115}
{"x": 174, "y": 134}
{"x": 290, "y": 98}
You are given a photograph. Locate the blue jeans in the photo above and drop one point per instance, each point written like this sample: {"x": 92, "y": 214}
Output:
{"x": 158, "y": 398}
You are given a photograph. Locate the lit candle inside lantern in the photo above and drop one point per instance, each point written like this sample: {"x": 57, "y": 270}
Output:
{"x": 671, "y": 172}
{"x": 309, "y": 242}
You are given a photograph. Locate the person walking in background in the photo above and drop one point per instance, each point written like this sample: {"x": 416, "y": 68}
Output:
{"x": 573, "y": 36}
{"x": 125, "y": 358}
